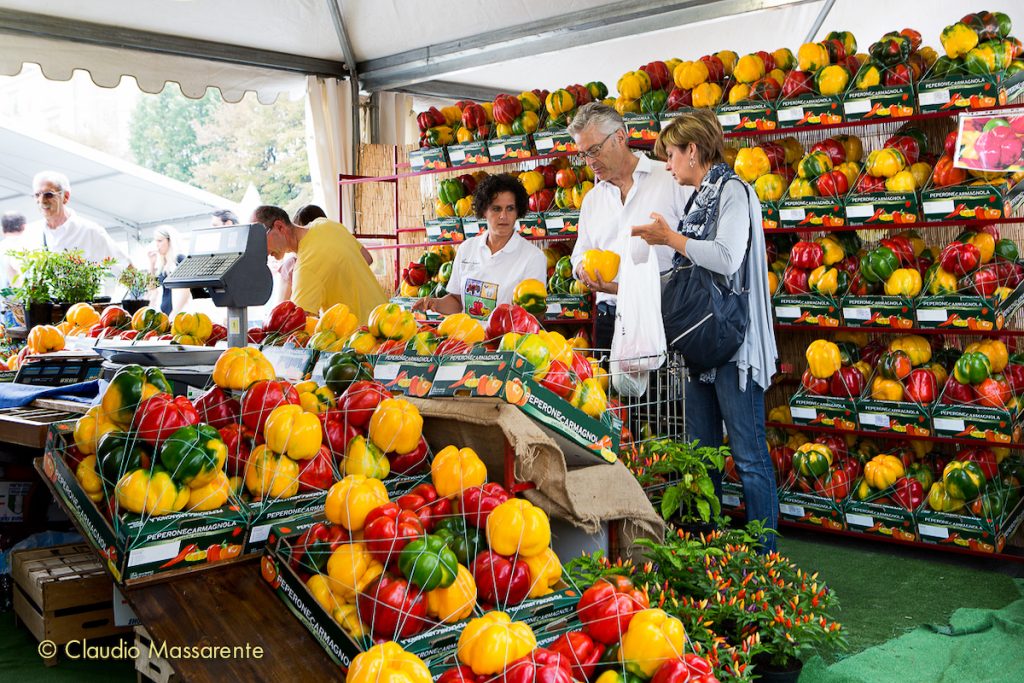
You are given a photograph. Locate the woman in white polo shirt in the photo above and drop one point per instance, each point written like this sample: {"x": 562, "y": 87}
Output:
{"x": 488, "y": 267}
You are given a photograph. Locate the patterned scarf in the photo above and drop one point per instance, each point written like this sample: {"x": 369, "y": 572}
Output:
{"x": 701, "y": 217}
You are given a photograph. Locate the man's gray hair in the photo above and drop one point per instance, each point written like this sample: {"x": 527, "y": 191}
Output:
{"x": 605, "y": 118}
{"x": 55, "y": 178}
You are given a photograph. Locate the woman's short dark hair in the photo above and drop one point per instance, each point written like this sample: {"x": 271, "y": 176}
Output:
{"x": 494, "y": 185}
{"x": 308, "y": 214}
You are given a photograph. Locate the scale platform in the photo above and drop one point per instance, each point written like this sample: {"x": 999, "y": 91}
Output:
{"x": 158, "y": 353}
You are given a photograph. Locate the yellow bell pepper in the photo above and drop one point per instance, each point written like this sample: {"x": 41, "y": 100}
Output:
{"x": 362, "y": 341}
{"x": 794, "y": 150}
{"x": 903, "y": 181}
{"x": 155, "y": 495}
{"x": 444, "y": 209}
{"x": 339, "y": 319}
{"x": 352, "y": 498}
{"x": 915, "y": 346}
{"x": 801, "y": 188}
{"x": 210, "y": 496}
{"x": 994, "y": 350}
{"x": 452, "y": 114}
{"x": 885, "y": 163}
{"x": 197, "y": 326}
{"x": 518, "y": 527}
{"x": 624, "y": 105}
{"x": 904, "y": 282}
{"x": 629, "y": 86}
{"x": 362, "y": 457}
{"x": 545, "y": 572}
{"x": 532, "y": 181}
{"x": 269, "y": 475}
{"x": 832, "y": 80}
{"x": 769, "y": 187}
{"x": 320, "y": 588}
{"x": 942, "y": 282}
{"x": 579, "y": 192}
{"x": 44, "y": 339}
{"x": 749, "y": 68}
{"x": 464, "y": 206}
{"x": 751, "y": 163}
{"x": 652, "y": 638}
{"x": 347, "y": 617}
{"x": 833, "y": 251}
{"x": 238, "y": 368}
{"x": 396, "y": 426}
{"x": 823, "y": 358}
{"x": 89, "y": 478}
{"x": 812, "y": 56}
{"x": 388, "y": 663}
{"x": 824, "y": 280}
{"x": 986, "y": 245}
{"x": 456, "y": 602}
{"x": 291, "y": 431}
{"x": 958, "y": 39}
{"x": 688, "y": 75}
{"x": 558, "y": 347}
{"x": 590, "y": 397}
{"x": 389, "y": 321}
{"x": 490, "y": 643}
{"x": 559, "y": 102}
{"x": 886, "y": 389}
{"x": 729, "y": 59}
{"x": 453, "y": 470}
{"x": 921, "y": 171}
{"x": 350, "y": 569}
{"x": 850, "y": 170}
{"x": 90, "y": 427}
{"x": 82, "y": 315}
{"x": 462, "y": 327}
{"x": 739, "y": 93}
{"x": 882, "y": 471}
{"x": 316, "y": 399}
{"x": 780, "y": 414}
{"x": 529, "y": 101}
{"x": 601, "y": 261}
{"x": 707, "y": 95}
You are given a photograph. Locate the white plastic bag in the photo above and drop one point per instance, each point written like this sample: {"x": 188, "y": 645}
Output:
{"x": 638, "y": 346}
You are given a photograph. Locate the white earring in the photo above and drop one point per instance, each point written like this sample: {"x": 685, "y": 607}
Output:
{"x": 691, "y": 162}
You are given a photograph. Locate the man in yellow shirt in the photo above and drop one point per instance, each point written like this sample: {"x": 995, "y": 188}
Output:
{"x": 330, "y": 265}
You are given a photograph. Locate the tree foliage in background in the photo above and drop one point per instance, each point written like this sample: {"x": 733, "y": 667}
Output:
{"x": 222, "y": 147}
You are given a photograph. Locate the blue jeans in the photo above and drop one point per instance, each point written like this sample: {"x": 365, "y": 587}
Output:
{"x": 707, "y": 406}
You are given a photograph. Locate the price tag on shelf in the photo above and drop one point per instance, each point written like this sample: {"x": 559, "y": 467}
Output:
{"x": 939, "y": 206}
{"x": 860, "y": 211}
{"x": 497, "y": 149}
{"x": 470, "y": 228}
{"x": 554, "y": 309}
{"x": 880, "y": 420}
{"x": 154, "y": 553}
{"x": 791, "y": 114}
{"x": 729, "y": 120}
{"x": 803, "y": 413}
{"x": 544, "y": 144}
{"x": 792, "y": 214}
{"x": 857, "y": 313}
{"x": 260, "y": 533}
{"x": 857, "y": 106}
{"x": 731, "y": 501}
{"x": 792, "y": 510}
{"x": 450, "y": 373}
{"x": 456, "y": 155}
{"x": 554, "y": 223}
{"x": 383, "y": 372}
{"x": 859, "y": 520}
{"x": 787, "y": 312}
{"x": 933, "y": 97}
{"x": 433, "y": 232}
{"x": 933, "y": 531}
{"x": 932, "y": 315}
{"x": 949, "y": 424}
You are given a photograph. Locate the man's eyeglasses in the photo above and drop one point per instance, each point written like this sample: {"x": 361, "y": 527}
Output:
{"x": 594, "y": 151}
{"x": 49, "y": 194}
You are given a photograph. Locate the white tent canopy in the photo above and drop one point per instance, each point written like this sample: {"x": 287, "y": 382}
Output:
{"x": 125, "y": 198}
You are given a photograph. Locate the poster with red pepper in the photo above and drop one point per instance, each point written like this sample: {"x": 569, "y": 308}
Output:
{"x": 991, "y": 141}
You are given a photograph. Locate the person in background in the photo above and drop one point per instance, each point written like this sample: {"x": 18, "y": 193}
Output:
{"x": 329, "y": 266}
{"x": 164, "y": 256}
{"x": 488, "y": 267}
{"x": 13, "y": 241}
{"x": 61, "y": 229}
{"x": 311, "y": 212}
{"x": 222, "y": 217}
{"x": 629, "y": 186}
{"x": 721, "y": 232}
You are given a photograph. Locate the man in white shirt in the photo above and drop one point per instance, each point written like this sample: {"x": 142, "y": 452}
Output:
{"x": 629, "y": 188}
{"x": 61, "y": 229}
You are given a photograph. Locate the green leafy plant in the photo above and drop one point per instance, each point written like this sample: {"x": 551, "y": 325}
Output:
{"x": 687, "y": 467}
{"x": 76, "y": 278}
{"x": 37, "y": 274}
{"x": 138, "y": 282}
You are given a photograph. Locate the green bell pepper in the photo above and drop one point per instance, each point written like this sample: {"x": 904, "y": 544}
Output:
{"x": 451, "y": 190}
{"x": 848, "y": 353}
{"x": 1007, "y": 250}
{"x": 973, "y": 367}
{"x": 653, "y": 101}
{"x": 863, "y": 491}
{"x": 878, "y": 265}
{"x": 465, "y": 541}
{"x": 963, "y": 480}
{"x": 446, "y": 272}
{"x": 811, "y": 463}
{"x": 194, "y": 454}
{"x": 431, "y": 261}
{"x": 429, "y": 563}
{"x": 940, "y": 500}
{"x": 120, "y": 452}
{"x": 343, "y": 369}
{"x": 129, "y": 387}
{"x": 563, "y": 268}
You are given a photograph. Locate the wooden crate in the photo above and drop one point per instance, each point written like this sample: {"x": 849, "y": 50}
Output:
{"x": 151, "y": 667}
{"x": 62, "y": 594}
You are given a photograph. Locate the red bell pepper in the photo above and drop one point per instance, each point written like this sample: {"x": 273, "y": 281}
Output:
{"x": 540, "y": 201}
{"x": 902, "y": 247}
{"x": 284, "y": 319}
{"x": 317, "y": 473}
{"x": 921, "y": 386}
{"x": 474, "y": 117}
{"x": 580, "y": 94}
{"x": 776, "y": 154}
{"x": 540, "y": 666}
{"x": 413, "y": 462}
{"x": 909, "y": 493}
{"x": 428, "y": 506}
{"x": 833, "y": 148}
{"x": 581, "y": 366}
{"x": 337, "y": 432}
{"x": 690, "y": 668}
{"x": 260, "y": 399}
{"x": 430, "y": 118}
{"x": 360, "y": 400}
{"x": 994, "y": 392}
{"x": 393, "y": 608}
{"x": 240, "y": 442}
{"x": 835, "y": 485}
{"x": 1014, "y": 375}
{"x": 217, "y": 333}
{"x": 460, "y": 674}
{"x": 500, "y": 581}
{"x": 506, "y": 109}
{"x": 835, "y": 443}
{"x": 159, "y": 416}
{"x": 796, "y": 280}
{"x": 451, "y": 347}
{"x": 607, "y": 607}
{"x": 832, "y": 184}
{"x": 814, "y": 385}
{"x": 477, "y": 503}
{"x": 659, "y": 75}
{"x": 956, "y": 392}
{"x": 782, "y": 461}
{"x": 984, "y": 281}
{"x": 959, "y": 258}
{"x": 582, "y": 651}
{"x": 679, "y": 98}
{"x": 949, "y": 144}
{"x": 217, "y": 408}
{"x": 847, "y": 383}
{"x": 558, "y": 380}
{"x": 511, "y": 318}
{"x": 868, "y": 184}
{"x": 389, "y": 528}
{"x": 716, "y": 69}
{"x": 313, "y": 548}
{"x": 946, "y": 174}
{"x": 908, "y": 145}
{"x": 415, "y": 274}
{"x": 872, "y": 351}
{"x": 806, "y": 255}
{"x": 255, "y": 335}
{"x": 985, "y": 459}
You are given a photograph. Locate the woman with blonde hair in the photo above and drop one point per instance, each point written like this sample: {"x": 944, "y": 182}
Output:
{"x": 721, "y": 232}
{"x": 164, "y": 257}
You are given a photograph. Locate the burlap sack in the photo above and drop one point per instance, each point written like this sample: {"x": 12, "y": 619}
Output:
{"x": 583, "y": 496}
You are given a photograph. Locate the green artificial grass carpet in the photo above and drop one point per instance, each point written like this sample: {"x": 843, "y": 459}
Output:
{"x": 19, "y": 661}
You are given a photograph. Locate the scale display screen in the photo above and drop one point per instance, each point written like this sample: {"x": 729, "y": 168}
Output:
{"x": 60, "y": 372}
{"x": 225, "y": 240}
